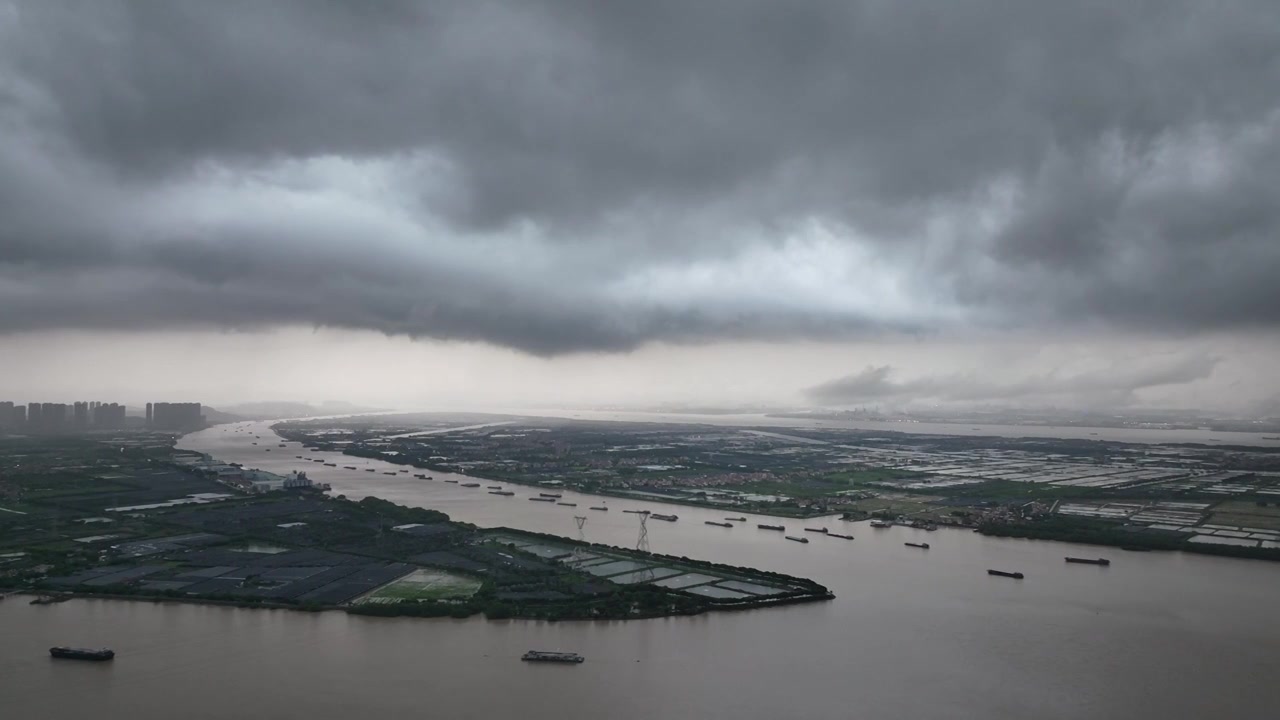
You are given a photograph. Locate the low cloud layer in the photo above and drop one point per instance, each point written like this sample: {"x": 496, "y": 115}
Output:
{"x": 561, "y": 177}
{"x": 1114, "y": 386}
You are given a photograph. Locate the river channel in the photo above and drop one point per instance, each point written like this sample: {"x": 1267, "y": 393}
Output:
{"x": 911, "y": 634}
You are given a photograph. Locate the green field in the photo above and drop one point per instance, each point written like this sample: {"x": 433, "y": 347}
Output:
{"x": 858, "y": 477}
{"x": 1247, "y": 514}
{"x": 423, "y": 585}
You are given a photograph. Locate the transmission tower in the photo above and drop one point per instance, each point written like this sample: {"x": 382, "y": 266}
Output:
{"x": 642, "y": 542}
{"x": 644, "y": 574}
{"x": 579, "y": 552}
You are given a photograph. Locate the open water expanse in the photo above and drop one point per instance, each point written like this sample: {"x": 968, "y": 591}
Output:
{"x": 911, "y": 634}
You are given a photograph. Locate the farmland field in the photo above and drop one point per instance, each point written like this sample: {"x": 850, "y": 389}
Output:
{"x": 423, "y": 585}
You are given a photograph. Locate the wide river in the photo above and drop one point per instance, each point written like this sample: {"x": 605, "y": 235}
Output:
{"x": 911, "y": 634}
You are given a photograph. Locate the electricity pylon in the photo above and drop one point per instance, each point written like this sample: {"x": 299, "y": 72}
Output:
{"x": 579, "y": 551}
{"x": 645, "y": 574}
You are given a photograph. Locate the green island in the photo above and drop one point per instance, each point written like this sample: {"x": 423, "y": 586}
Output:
{"x": 128, "y": 517}
{"x": 1221, "y": 500}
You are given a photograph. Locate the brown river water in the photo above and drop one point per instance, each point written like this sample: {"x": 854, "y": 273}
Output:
{"x": 911, "y": 634}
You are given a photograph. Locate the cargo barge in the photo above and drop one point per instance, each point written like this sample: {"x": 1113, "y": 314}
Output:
{"x": 601, "y": 508}
{"x": 798, "y": 539}
{"x": 737, "y": 519}
{"x": 542, "y": 499}
{"x": 771, "y": 527}
{"x": 822, "y": 530}
{"x": 842, "y": 537}
{"x": 922, "y": 546}
{"x": 505, "y": 493}
{"x": 668, "y": 518}
{"x": 549, "y": 495}
{"x": 69, "y": 653}
{"x": 544, "y": 656}
{"x": 566, "y": 504}
{"x": 1089, "y": 561}
{"x": 1002, "y": 573}
{"x": 470, "y": 485}
{"x": 718, "y": 524}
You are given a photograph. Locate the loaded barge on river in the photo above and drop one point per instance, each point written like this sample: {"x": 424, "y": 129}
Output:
{"x": 559, "y": 657}
{"x": 70, "y": 653}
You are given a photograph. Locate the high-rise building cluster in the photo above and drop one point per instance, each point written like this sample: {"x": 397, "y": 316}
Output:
{"x": 61, "y": 417}
{"x": 93, "y": 415}
{"x": 175, "y": 416}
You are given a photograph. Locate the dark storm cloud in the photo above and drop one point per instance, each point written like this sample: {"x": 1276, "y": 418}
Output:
{"x": 1106, "y": 387}
{"x": 559, "y": 176}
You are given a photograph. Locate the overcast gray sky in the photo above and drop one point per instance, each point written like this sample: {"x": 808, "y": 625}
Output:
{"x": 833, "y": 202}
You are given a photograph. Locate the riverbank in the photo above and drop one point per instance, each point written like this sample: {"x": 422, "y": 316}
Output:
{"x": 648, "y": 496}
{"x": 1125, "y": 538}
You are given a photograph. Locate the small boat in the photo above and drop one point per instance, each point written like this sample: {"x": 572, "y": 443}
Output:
{"x": 605, "y": 509}
{"x": 737, "y": 519}
{"x": 282, "y": 445}
{"x": 544, "y": 656}
{"x": 298, "y": 456}
{"x": 771, "y": 527}
{"x": 881, "y": 524}
{"x": 922, "y": 546}
{"x": 69, "y": 653}
{"x": 1089, "y": 561}
{"x": 267, "y": 449}
{"x": 430, "y": 478}
{"x": 718, "y": 524}
{"x": 798, "y": 539}
{"x": 566, "y": 504}
{"x": 420, "y": 476}
{"x": 550, "y": 495}
{"x": 1002, "y": 573}
{"x": 506, "y": 493}
{"x": 668, "y": 518}
{"x": 842, "y": 537}
{"x": 404, "y": 471}
{"x": 817, "y": 530}
{"x": 542, "y": 499}
{"x": 370, "y": 470}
